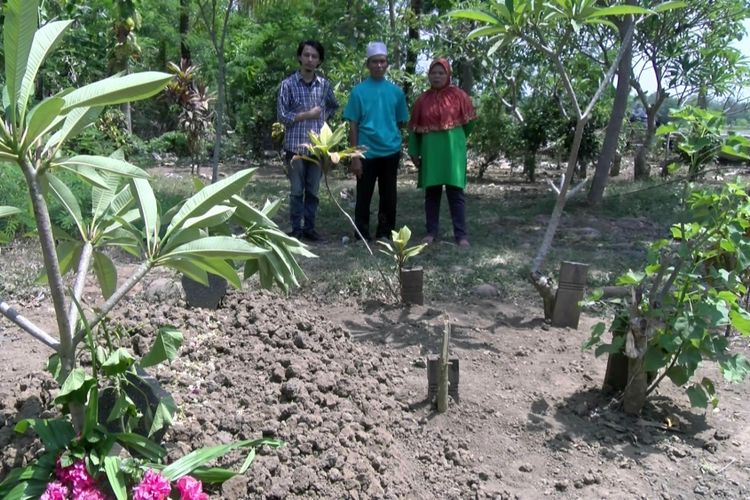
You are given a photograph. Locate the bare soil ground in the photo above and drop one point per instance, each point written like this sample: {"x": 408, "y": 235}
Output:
{"x": 342, "y": 381}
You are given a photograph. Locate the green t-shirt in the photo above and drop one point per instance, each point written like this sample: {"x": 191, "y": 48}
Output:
{"x": 377, "y": 106}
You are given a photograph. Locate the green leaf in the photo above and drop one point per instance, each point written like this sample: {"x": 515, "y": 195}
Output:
{"x": 631, "y": 278}
{"x": 163, "y": 416}
{"x": 679, "y": 375}
{"x": 115, "y": 477}
{"x": 107, "y": 164}
{"x": 219, "y": 267}
{"x": 18, "y": 30}
{"x": 55, "y": 434}
{"x": 214, "y": 216}
{"x": 665, "y": 6}
{"x": 87, "y": 174}
{"x": 209, "y": 196}
{"x": 166, "y": 347}
{"x": 42, "y": 118}
{"x": 76, "y": 387}
{"x": 655, "y": 359}
{"x": 596, "y": 336}
{"x": 117, "y": 90}
{"x": 619, "y": 10}
{"x": 667, "y": 128}
{"x": 740, "y": 320}
{"x": 615, "y": 347}
{"x": 223, "y": 247}
{"x": 141, "y": 445}
{"x": 197, "y": 458}
{"x": 486, "y": 31}
{"x": 101, "y": 198}
{"x": 68, "y": 200}
{"x": 123, "y": 406}
{"x": 117, "y": 362}
{"x": 6, "y": 211}
{"x": 149, "y": 211}
{"x": 91, "y": 419}
{"x": 474, "y": 15}
{"x": 75, "y": 121}
{"x": 106, "y": 274}
{"x": 698, "y": 397}
{"x": 31, "y": 481}
{"x": 735, "y": 368}
{"x": 45, "y": 40}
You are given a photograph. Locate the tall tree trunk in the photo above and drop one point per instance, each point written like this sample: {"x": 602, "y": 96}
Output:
{"x": 185, "y": 30}
{"x": 126, "y": 108}
{"x": 612, "y": 135}
{"x": 410, "y": 65}
{"x": 396, "y": 58}
{"x": 466, "y": 75}
{"x": 220, "y": 106}
{"x": 641, "y": 168}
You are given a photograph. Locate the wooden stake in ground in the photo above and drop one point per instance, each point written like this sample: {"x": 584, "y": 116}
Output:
{"x": 442, "y": 395}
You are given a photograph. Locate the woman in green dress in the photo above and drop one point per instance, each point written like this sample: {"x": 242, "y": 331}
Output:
{"x": 440, "y": 122}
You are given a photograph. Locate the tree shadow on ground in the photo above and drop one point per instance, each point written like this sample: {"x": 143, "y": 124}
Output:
{"x": 423, "y": 326}
{"x": 593, "y": 420}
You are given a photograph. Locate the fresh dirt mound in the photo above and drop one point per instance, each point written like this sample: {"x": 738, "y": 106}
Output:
{"x": 344, "y": 386}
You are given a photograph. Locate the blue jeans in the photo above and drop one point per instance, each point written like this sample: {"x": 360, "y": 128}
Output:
{"x": 457, "y": 205}
{"x": 304, "y": 177}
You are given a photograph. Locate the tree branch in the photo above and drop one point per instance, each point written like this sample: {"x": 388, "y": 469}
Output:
{"x": 117, "y": 297}
{"x": 80, "y": 282}
{"x": 28, "y": 326}
{"x": 52, "y": 266}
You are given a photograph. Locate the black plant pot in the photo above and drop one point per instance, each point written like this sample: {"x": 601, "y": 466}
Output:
{"x": 412, "y": 283}
{"x": 207, "y": 297}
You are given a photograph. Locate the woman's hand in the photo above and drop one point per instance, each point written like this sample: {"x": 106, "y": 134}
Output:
{"x": 417, "y": 161}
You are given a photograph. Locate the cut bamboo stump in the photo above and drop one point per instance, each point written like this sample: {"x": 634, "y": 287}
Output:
{"x": 442, "y": 395}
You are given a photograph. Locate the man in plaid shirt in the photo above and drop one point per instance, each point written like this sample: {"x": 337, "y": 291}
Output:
{"x": 305, "y": 101}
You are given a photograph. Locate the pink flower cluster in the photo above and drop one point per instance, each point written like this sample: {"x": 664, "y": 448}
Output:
{"x": 154, "y": 486}
{"x": 73, "y": 482}
{"x": 190, "y": 489}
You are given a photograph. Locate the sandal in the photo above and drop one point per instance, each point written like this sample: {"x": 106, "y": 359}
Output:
{"x": 428, "y": 240}
{"x": 464, "y": 243}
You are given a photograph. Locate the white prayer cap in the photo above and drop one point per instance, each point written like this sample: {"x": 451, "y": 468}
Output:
{"x": 376, "y": 49}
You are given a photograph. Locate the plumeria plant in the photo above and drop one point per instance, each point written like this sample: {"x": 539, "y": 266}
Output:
{"x": 124, "y": 214}
{"x": 325, "y": 150}
{"x": 398, "y": 250}
{"x": 693, "y": 287}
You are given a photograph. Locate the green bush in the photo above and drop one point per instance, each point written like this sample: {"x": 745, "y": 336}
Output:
{"x": 13, "y": 192}
{"x": 173, "y": 142}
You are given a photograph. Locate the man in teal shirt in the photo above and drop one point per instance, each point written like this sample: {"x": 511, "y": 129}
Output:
{"x": 376, "y": 111}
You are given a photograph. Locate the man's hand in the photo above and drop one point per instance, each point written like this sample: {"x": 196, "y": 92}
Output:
{"x": 356, "y": 167}
{"x": 310, "y": 114}
{"x": 314, "y": 113}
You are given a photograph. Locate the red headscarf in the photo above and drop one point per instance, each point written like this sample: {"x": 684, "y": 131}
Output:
{"x": 441, "y": 109}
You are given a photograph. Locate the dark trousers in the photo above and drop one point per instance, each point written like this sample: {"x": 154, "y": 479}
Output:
{"x": 383, "y": 170}
{"x": 457, "y": 205}
{"x": 304, "y": 179}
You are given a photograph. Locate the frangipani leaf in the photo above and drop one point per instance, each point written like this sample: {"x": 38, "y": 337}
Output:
{"x": 45, "y": 40}
{"x": 117, "y": 90}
